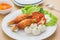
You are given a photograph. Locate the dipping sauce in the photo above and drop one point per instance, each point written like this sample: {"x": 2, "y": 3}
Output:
{"x": 4, "y": 6}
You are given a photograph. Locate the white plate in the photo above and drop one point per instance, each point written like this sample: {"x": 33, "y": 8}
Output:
{"x": 28, "y": 1}
{"x": 20, "y": 35}
{"x": 24, "y": 3}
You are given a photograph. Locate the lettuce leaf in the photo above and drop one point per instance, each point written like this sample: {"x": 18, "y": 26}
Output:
{"x": 30, "y": 9}
{"x": 53, "y": 20}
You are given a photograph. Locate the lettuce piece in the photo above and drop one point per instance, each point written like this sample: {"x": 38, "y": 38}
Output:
{"x": 30, "y": 9}
{"x": 27, "y": 7}
{"x": 33, "y": 9}
{"x": 53, "y": 20}
{"x": 23, "y": 10}
{"x": 41, "y": 10}
{"x": 46, "y": 12}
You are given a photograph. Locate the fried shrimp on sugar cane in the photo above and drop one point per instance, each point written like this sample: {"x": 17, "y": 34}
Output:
{"x": 19, "y": 18}
{"x": 24, "y": 23}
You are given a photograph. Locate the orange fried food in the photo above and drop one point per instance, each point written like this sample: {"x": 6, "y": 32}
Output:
{"x": 19, "y": 18}
{"x": 24, "y": 23}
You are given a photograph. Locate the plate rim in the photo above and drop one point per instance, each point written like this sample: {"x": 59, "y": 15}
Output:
{"x": 28, "y": 3}
{"x": 18, "y": 4}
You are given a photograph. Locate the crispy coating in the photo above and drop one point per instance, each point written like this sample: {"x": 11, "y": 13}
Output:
{"x": 24, "y": 23}
{"x": 19, "y": 18}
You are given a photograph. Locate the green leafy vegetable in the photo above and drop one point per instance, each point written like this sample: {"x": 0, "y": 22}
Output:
{"x": 41, "y": 10}
{"x": 29, "y": 9}
{"x": 53, "y": 20}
